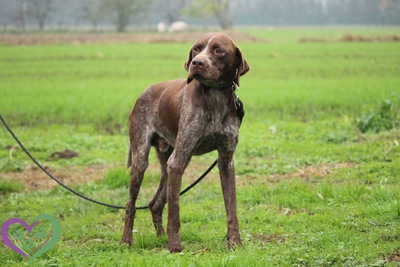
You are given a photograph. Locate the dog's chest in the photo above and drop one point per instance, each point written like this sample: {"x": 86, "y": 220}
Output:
{"x": 216, "y": 109}
{"x": 219, "y": 129}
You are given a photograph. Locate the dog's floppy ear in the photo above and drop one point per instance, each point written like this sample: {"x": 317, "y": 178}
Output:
{"x": 187, "y": 63}
{"x": 242, "y": 66}
{"x": 188, "y": 60}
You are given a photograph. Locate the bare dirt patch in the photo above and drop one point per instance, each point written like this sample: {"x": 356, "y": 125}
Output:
{"x": 103, "y": 38}
{"x": 272, "y": 238}
{"x": 308, "y": 173}
{"x": 393, "y": 257}
{"x": 352, "y": 38}
{"x": 314, "y": 171}
{"x": 34, "y": 178}
{"x": 361, "y": 38}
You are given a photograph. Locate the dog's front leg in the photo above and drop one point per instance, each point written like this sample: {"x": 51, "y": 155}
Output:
{"x": 176, "y": 167}
{"x": 228, "y": 184}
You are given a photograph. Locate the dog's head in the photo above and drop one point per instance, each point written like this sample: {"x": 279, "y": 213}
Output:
{"x": 215, "y": 61}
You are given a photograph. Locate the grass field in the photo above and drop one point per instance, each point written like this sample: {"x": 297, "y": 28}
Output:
{"x": 317, "y": 164}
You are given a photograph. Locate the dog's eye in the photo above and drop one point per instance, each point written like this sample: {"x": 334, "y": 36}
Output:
{"x": 218, "y": 51}
{"x": 196, "y": 49}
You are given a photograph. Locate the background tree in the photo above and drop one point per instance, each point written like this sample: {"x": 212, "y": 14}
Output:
{"x": 39, "y": 10}
{"x": 25, "y": 13}
{"x": 94, "y": 11}
{"x": 122, "y": 11}
{"x": 389, "y": 11}
{"x": 21, "y": 14}
{"x": 219, "y": 9}
{"x": 171, "y": 10}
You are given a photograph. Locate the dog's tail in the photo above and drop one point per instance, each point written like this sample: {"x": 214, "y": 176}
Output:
{"x": 129, "y": 159}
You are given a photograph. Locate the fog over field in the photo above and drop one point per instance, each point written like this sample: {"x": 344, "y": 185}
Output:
{"x": 127, "y": 14}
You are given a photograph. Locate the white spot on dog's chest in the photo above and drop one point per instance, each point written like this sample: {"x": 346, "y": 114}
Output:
{"x": 216, "y": 108}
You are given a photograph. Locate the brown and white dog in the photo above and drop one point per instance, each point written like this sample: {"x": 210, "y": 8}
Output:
{"x": 187, "y": 117}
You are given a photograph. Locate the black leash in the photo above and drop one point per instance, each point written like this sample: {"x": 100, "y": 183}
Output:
{"x": 85, "y": 197}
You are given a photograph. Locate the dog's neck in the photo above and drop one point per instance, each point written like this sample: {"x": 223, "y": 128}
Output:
{"x": 218, "y": 101}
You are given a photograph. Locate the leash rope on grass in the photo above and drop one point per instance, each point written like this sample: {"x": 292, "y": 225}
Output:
{"x": 85, "y": 197}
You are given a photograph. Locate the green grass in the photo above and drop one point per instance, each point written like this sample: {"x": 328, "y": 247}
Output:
{"x": 9, "y": 187}
{"x": 313, "y": 190}
{"x": 294, "y": 34}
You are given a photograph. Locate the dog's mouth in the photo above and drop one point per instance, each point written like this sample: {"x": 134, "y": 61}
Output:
{"x": 207, "y": 82}
{"x": 204, "y": 78}
{"x": 197, "y": 76}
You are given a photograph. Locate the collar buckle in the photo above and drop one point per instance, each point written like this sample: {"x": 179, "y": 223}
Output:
{"x": 234, "y": 87}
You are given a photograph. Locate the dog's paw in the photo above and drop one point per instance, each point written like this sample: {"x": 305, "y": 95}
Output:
{"x": 234, "y": 242}
{"x": 175, "y": 245}
{"x": 160, "y": 231}
{"x": 175, "y": 248}
{"x": 126, "y": 240}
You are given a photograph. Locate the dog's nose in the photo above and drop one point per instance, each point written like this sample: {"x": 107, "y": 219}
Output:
{"x": 197, "y": 62}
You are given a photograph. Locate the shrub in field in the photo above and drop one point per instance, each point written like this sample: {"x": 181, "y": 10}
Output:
{"x": 117, "y": 178}
{"x": 10, "y": 186}
{"x": 120, "y": 178}
{"x": 8, "y": 165}
{"x": 384, "y": 117}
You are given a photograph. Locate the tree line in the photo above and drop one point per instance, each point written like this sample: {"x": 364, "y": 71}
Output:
{"x": 225, "y": 13}
{"x": 314, "y": 12}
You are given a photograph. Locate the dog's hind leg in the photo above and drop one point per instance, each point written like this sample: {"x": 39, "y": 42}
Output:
{"x": 140, "y": 152}
{"x": 157, "y": 204}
